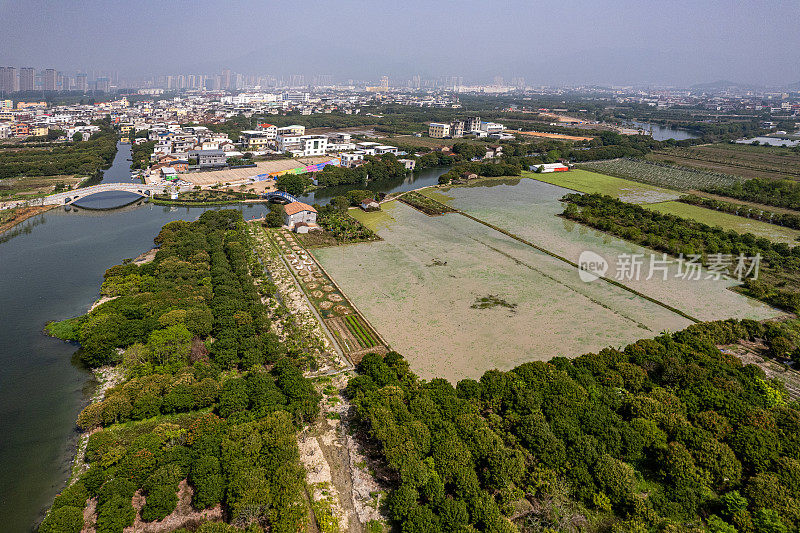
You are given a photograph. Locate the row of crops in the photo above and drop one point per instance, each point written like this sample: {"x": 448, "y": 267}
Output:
{"x": 662, "y": 175}
{"x": 360, "y": 331}
{"x": 749, "y": 157}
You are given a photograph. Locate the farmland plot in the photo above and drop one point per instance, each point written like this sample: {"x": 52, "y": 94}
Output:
{"x": 458, "y": 298}
{"x": 728, "y": 221}
{"x": 737, "y": 159}
{"x": 529, "y": 210}
{"x": 592, "y": 182}
{"x": 660, "y": 174}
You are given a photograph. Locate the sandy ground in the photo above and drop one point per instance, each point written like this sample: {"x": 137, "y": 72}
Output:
{"x": 562, "y": 118}
{"x": 239, "y": 175}
{"x": 428, "y": 273}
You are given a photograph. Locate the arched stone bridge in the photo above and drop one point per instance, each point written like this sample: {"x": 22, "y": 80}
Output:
{"x": 68, "y": 197}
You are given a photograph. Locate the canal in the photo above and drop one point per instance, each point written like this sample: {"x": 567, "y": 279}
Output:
{"x": 52, "y": 268}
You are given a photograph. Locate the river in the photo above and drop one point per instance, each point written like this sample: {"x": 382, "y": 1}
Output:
{"x": 52, "y": 267}
{"x": 662, "y": 133}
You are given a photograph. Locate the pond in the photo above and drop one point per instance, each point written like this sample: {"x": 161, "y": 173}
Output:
{"x": 662, "y": 133}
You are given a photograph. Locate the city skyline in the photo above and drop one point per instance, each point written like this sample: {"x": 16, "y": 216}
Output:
{"x": 623, "y": 44}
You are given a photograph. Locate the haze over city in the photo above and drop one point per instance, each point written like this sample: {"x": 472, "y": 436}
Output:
{"x": 676, "y": 43}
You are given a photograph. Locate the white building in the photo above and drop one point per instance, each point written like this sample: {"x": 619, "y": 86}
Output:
{"x": 288, "y": 141}
{"x": 492, "y": 127}
{"x": 437, "y": 130}
{"x": 269, "y": 130}
{"x": 298, "y": 213}
{"x": 351, "y": 159}
{"x": 408, "y": 163}
{"x": 385, "y": 149}
{"x": 313, "y": 145}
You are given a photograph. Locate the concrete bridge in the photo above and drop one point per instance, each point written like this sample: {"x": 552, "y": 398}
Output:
{"x": 68, "y": 197}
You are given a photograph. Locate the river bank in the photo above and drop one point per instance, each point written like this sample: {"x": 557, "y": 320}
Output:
{"x": 53, "y": 266}
{"x": 18, "y": 215}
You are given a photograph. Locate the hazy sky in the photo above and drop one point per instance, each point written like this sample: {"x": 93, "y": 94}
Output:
{"x": 550, "y": 42}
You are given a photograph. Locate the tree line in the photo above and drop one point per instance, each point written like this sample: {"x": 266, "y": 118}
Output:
{"x": 788, "y": 220}
{"x": 81, "y": 158}
{"x": 778, "y": 193}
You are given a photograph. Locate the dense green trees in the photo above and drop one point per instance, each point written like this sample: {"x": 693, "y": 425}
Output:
{"x": 294, "y": 184}
{"x": 779, "y": 193}
{"x": 487, "y": 168}
{"x": 658, "y": 435}
{"x": 209, "y": 395}
{"x": 381, "y": 168}
{"x": 83, "y": 158}
{"x": 140, "y": 154}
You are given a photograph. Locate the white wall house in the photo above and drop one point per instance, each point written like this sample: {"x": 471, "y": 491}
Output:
{"x": 386, "y": 149}
{"x": 313, "y": 145}
{"x": 297, "y": 212}
{"x": 288, "y": 141}
{"x": 350, "y": 159}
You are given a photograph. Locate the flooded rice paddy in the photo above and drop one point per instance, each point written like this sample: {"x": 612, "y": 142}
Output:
{"x": 458, "y": 298}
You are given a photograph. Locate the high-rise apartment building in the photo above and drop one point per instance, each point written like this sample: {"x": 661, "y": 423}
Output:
{"x": 49, "y": 79}
{"x": 81, "y": 82}
{"x": 8, "y": 79}
{"x": 103, "y": 84}
{"x": 27, "y": 78}
{"x": 226, "y": 78}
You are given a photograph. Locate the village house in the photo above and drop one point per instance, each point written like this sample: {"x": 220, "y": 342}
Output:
{"x": 299, "y": 217}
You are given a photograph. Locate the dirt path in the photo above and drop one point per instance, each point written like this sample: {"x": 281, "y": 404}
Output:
{"x": 749, "y": 353}
{"x": 346, "y": 495}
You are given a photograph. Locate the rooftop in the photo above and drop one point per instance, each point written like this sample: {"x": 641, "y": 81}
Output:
{"x": 296, "y": 207}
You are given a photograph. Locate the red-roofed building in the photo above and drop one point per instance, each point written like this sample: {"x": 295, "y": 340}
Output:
{"x": 298, "y": 212}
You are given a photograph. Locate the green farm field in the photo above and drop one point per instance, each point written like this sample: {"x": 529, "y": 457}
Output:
{"x": 594, "y": 182}
{"x": 374, "y": 220}
{"x": 728, "y": 221}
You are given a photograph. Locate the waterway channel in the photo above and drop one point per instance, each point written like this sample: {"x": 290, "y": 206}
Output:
{"x": 52, "y": 266}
